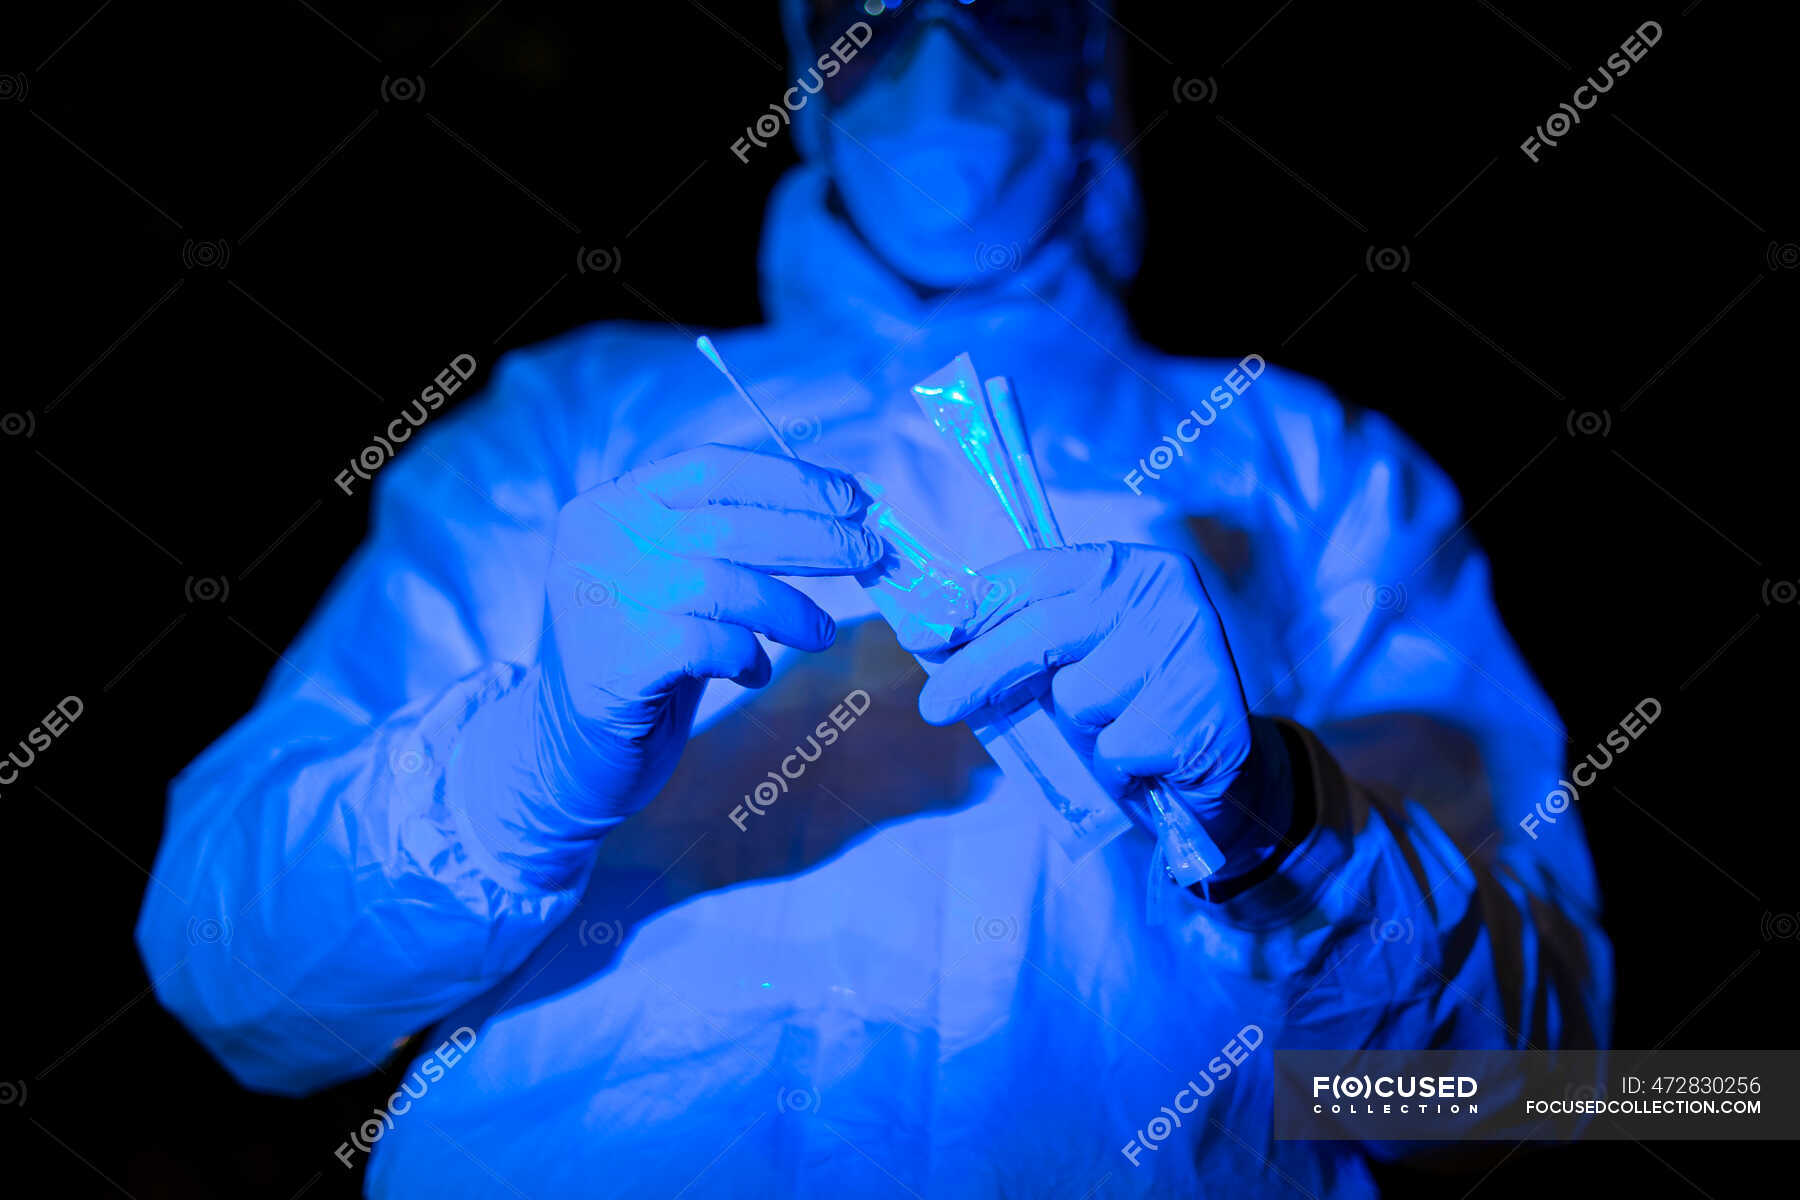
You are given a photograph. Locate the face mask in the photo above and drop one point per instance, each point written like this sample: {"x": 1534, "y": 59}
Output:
{"x": 950, "y": 162}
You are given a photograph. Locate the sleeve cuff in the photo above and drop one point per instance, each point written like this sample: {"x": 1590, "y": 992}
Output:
{"x": 1315, "y": 846}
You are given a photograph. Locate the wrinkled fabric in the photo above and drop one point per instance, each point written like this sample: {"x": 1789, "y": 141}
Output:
{"x": 894, "y": 980}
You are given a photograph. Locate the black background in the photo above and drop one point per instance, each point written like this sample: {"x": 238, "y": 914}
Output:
{"x": 174, "y": 426}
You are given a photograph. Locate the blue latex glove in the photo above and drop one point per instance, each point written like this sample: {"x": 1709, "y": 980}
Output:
{"x": 1138, "y": 663}
{"x": 660, "y": 580}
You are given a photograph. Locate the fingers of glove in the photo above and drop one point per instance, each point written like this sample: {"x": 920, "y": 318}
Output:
{"x": 1091, "y": 692}
{"x": 614, "y": 533}
{"x": 1135, "y": 746}
{"x": 1034, "y": 576}
{"x": 1032, "y": 643}
{"x": 781, "y": 543}
{"x": 729, "y": 475}
{"x": 695, "y": 649}
{"x": 713, "y": 590}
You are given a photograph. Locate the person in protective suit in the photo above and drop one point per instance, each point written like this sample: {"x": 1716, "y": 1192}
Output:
{"x": 491, "y": 790}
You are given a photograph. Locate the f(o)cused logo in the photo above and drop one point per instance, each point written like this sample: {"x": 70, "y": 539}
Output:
{"x": 209, "y": 931}
{"x": 1582, "y": 1093}
{"x": 600, "y": 592}
{"x": 1781, "y": 927}
{"x": 797, "y": 1100}
{"x": 597, "y": 260}
{"x": 1783, "y": 256}
{"x": 994, "y": 593}
{"x": 800, "y": 429}
{"x": 211, "y": 254}
{"x": 1589, "y": 423}
{"x": 206, "y": 589}
{"x": 998, "y": 256}
{"x": 1780, "y": 591}
{"x": 1386, "y": 597}
{"x": 1195, "y": 90}
{"x": 600, "y": 933}
{"x": 996, "y": 929}
{"x": 402, "y": 89}
{"x": 1388, "y": 258}
{"x": 1387, "y": 932}
{"x": 409, "y": 760}
{"x": 18, "y": 424}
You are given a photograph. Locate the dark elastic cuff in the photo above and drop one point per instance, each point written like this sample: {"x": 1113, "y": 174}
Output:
{"x": 1302, "y": 817}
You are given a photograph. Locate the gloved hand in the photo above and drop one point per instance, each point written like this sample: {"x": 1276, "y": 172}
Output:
{"x": 659, "y": 581}
{"x": 1138, "y": 662}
